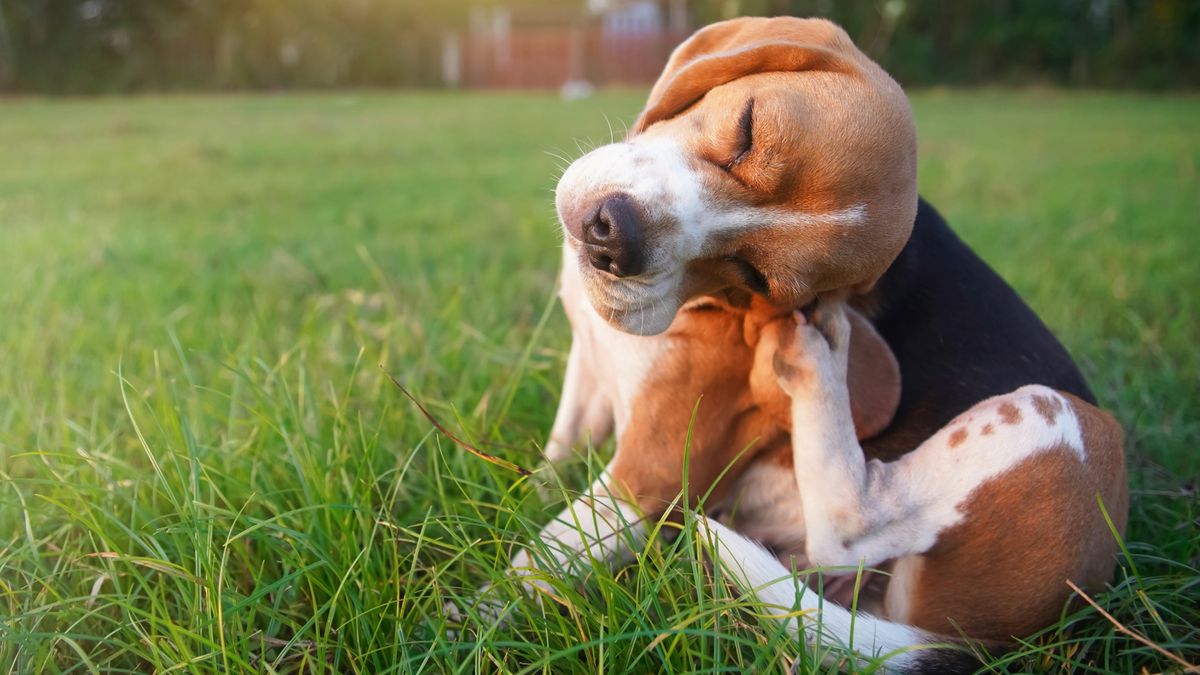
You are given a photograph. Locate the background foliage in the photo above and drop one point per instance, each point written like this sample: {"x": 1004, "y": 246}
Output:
{"x": 131, "y": 45}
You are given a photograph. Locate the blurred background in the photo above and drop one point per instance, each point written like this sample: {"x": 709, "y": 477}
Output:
{"x": 88, "y": 46}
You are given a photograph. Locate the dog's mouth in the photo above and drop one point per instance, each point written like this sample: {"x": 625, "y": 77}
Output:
{"x": 642, "y": 306}
{"x": 646, "y": 304}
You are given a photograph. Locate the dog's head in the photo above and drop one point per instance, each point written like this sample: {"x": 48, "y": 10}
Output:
{"x": 772, "y": 156}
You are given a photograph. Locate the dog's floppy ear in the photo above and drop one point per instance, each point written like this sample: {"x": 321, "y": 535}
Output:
{"x": 728, "y": 50}
{"x": 873, "y": 378}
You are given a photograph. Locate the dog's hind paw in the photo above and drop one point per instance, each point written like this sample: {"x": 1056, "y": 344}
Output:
{"x": 812, "y": 353}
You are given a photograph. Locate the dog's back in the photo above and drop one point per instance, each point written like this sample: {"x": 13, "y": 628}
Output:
{"x": 959, "y": 333}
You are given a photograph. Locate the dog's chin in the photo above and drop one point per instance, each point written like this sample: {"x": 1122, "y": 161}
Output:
{"x": 645, "y": 320}
{"x": 646, "y": 316}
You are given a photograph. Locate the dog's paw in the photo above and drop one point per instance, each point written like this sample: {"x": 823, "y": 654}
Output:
{"x": 486, "y": 613}
{"x": 814, "y": 355}
{"x": 833, "y": 324}
{"x": 456, "y": 620}
{"x": 557, "y": 451}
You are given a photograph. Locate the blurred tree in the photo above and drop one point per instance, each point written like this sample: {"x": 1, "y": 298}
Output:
{"x": 122, "y": 45}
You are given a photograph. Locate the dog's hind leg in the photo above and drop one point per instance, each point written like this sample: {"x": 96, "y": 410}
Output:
{"x": 859, "y": 512}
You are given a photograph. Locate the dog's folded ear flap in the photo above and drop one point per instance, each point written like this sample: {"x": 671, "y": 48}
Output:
{"x": 728, "y": 50}
{"x": 873, "y": 378}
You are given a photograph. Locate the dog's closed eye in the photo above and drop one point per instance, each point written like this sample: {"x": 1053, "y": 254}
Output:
{"x": 745, "y": 136}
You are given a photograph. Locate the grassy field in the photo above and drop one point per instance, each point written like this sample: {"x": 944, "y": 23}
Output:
{"x": 203, "y": 468}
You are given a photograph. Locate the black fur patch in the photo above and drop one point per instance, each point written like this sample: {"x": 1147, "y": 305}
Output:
{"x": 944, "y": 661}
{"x": 960, "y": 335}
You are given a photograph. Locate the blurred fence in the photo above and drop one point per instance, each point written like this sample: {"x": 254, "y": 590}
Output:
{"x": 79, "y": 46}
{"x": 550, "y": 57}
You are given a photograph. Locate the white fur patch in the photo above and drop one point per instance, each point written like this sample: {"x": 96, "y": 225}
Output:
{"x": 596, "y": 526}
{"x": 827, "y": 624}
{"x": 898, "y": 601}
{"x": 899, "y": 508}
{"x": 765, "y": 506}
{"x": 612, "y": 364}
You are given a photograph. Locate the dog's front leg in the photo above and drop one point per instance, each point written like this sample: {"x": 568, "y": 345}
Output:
{"x": 597, "y": 526}
{"x": 855, "y": 512}
{"x": 585, "y": 412}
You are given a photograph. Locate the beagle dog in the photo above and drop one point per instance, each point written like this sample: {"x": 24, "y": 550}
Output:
{"x": 916, "y": 417}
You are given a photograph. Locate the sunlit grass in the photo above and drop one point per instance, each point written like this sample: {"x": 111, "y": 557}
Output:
{"x": 204, "y": 469}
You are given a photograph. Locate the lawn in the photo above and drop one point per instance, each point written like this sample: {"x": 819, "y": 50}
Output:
{"x": 204, "y": 469}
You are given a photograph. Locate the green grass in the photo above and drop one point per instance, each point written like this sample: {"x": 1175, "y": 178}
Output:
{"x": 203, "y": 469}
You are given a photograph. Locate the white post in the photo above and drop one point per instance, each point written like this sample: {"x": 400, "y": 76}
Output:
{"x": 451, "y": 59}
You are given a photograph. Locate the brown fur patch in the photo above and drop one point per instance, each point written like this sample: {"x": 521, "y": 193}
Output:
{"x": 1001, "y": 571}
{"x": 1105, "y": 443}
{"x": 1047, "y": 407}
{"x": 1009, "y": 413}
{"x": 706, "y": 373}
{"x": 988, "y": 429}
{"x": 956, "y": 439}
{"x": 873, "y": 377}
{"x": 781, "y": 454}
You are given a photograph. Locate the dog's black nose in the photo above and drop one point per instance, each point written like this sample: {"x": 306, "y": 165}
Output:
{"x": 612, "y": 237}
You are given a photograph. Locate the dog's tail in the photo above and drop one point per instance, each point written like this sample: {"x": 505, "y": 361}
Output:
{"x": 902, "y": 648}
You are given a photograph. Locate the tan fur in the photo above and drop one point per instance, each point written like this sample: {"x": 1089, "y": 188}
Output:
{"x": 725, "y": 51}
{"x": 832, "y": 131}
{"x": 1047, "y": 407}
{"x": 1009, "y": 414}
{"x": 710, "y": 372}
{"x": 960, "y": 434}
